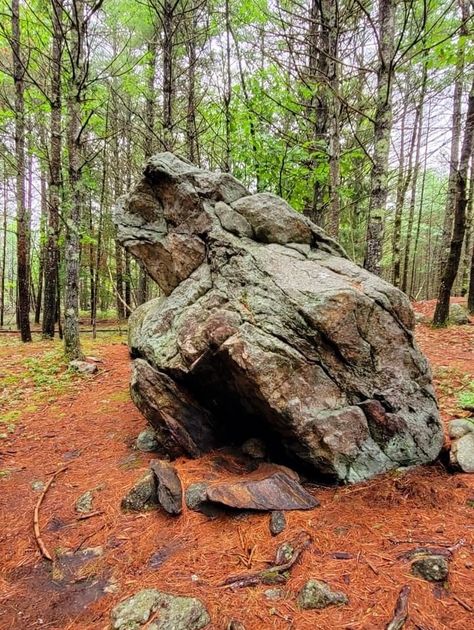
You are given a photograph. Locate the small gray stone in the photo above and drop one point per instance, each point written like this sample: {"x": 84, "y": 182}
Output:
{"x": 84, "y": 367}
{"x": 254, "y": 448}
{"x": 173, "y": 612}
{"x": 277, "y": 522}
{"x": 431, "y": 567}
{"x": 37, "y": 486}
{"x": 84, "y": 502}
{"x": 458, "y": 315}
{"x": 318, "y": 594}
{"x": 460, "y": 427}
{"x": 235, "y": 625}
{"x": 195, "y": 495}
{"x": 142, "y": 496}
{"x": 146, "y": 441}
{"x": 462, "y": 453}
{"x": 273, "y": 593}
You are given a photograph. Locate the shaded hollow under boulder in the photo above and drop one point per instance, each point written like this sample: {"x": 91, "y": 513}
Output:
{"x": 266, "y": 329}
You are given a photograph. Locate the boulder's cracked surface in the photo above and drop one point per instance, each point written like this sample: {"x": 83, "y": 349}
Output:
{"x": 268, "y": 330}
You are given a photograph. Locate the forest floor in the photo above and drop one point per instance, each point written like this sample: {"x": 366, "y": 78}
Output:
{"x": 51, "y": 419}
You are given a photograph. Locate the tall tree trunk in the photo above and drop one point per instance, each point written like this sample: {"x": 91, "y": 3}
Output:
{"x": 382, "y": 136}
{"x": 4, "y": 246}
{"x": 323, "y": 69}
{"x": 72, "y": 344}
{"x": 55, "y": 178}
{"x": 42, "y": 246}
{"x": 168, "y": 22}
{"x": 459, "y": 224}
{"x": 454, "y": 151}
{"x": 411, "y": 212}
{"x": 191, "y": 127}
{"x": 23, "y": 228}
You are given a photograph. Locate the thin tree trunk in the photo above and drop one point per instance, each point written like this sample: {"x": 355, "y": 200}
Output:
{"x": 23, "y": 272}
{"x": 416, "y": 170}
{"x": 55, "y": 178}
{"x": 382, "y": 136}
{"x": 4, "y": 248}
{"x": 42, "y": 245}
{"x": 72, "y": 344}
{"x": 454, "y": 156}
{"x": 459, "y": 224}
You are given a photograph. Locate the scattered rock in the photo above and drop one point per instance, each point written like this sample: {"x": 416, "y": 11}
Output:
{"x": 460, "y": 427}
{"x": 37, "y": 486}
{"x": 254, "y": 448}
{"x": 318, "y": 594}
{"x": 284, "y": 553}
{"x": 277, "y": 522}
{"x": 146, "y": 441}
{"x": 195, "y": 498}
{"x": 235, "y": 625}
{"x": 432, "y": 568}
{"x": 142, "y": 496}
{"x": 84, "y": 502}
{"x": 461, "y": 454}
{"x": 458, "y": 315}
{"x": 169, "y": 488}
{"x": 266, "y": 323}
{"x": 261, "y": 492}
{"x": 173, "y": 612}
{"x": 84, "y": 367}
{"x": 273, "y": 594}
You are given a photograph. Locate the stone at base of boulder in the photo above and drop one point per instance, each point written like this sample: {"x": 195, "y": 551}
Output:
{"x": 460, "y": 427}
{"x": 318, "y": 594}
{"x": 173, "y": 612}
{"x": 142, "y": 496}
{"x": 462, "y": 453}
{"x": 146, "y": 441}
{"x": 431, "y": 567}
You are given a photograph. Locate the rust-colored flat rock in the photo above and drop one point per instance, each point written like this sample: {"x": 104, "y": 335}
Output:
{"x": 277, "y": 491}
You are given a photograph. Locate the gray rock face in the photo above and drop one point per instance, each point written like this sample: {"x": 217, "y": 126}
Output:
{"x": 318, "y": 594}
{"x": 268, "y": 330}
{"x": 146, "y": 441}
{"x": 173, "y": 612}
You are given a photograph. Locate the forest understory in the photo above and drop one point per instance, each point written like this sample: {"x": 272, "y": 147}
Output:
{"x": 361, "y": 534}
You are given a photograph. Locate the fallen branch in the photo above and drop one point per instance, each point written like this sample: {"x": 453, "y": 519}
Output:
{"x": 275, "y": 572}
{"x": 84, "y": 517}
{"x": 400, "y": 613}
{"x": 36, "y": 526}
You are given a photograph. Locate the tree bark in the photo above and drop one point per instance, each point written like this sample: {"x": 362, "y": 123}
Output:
{"x": 382, "y": 136}
{"x": 55, "y": 178}
{"x": 459, "y": 224}
{"x": 72, "y": 344}
{"x": 23, "y": 263}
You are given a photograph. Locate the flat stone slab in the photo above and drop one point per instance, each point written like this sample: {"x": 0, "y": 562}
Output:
{"x": 277, "y": 491}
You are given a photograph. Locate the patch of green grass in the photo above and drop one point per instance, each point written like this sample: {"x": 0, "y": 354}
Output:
{"x": 466, "y": 397}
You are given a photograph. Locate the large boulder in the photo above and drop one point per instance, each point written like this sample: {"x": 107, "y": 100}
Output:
{"x": 266, "y": 329}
